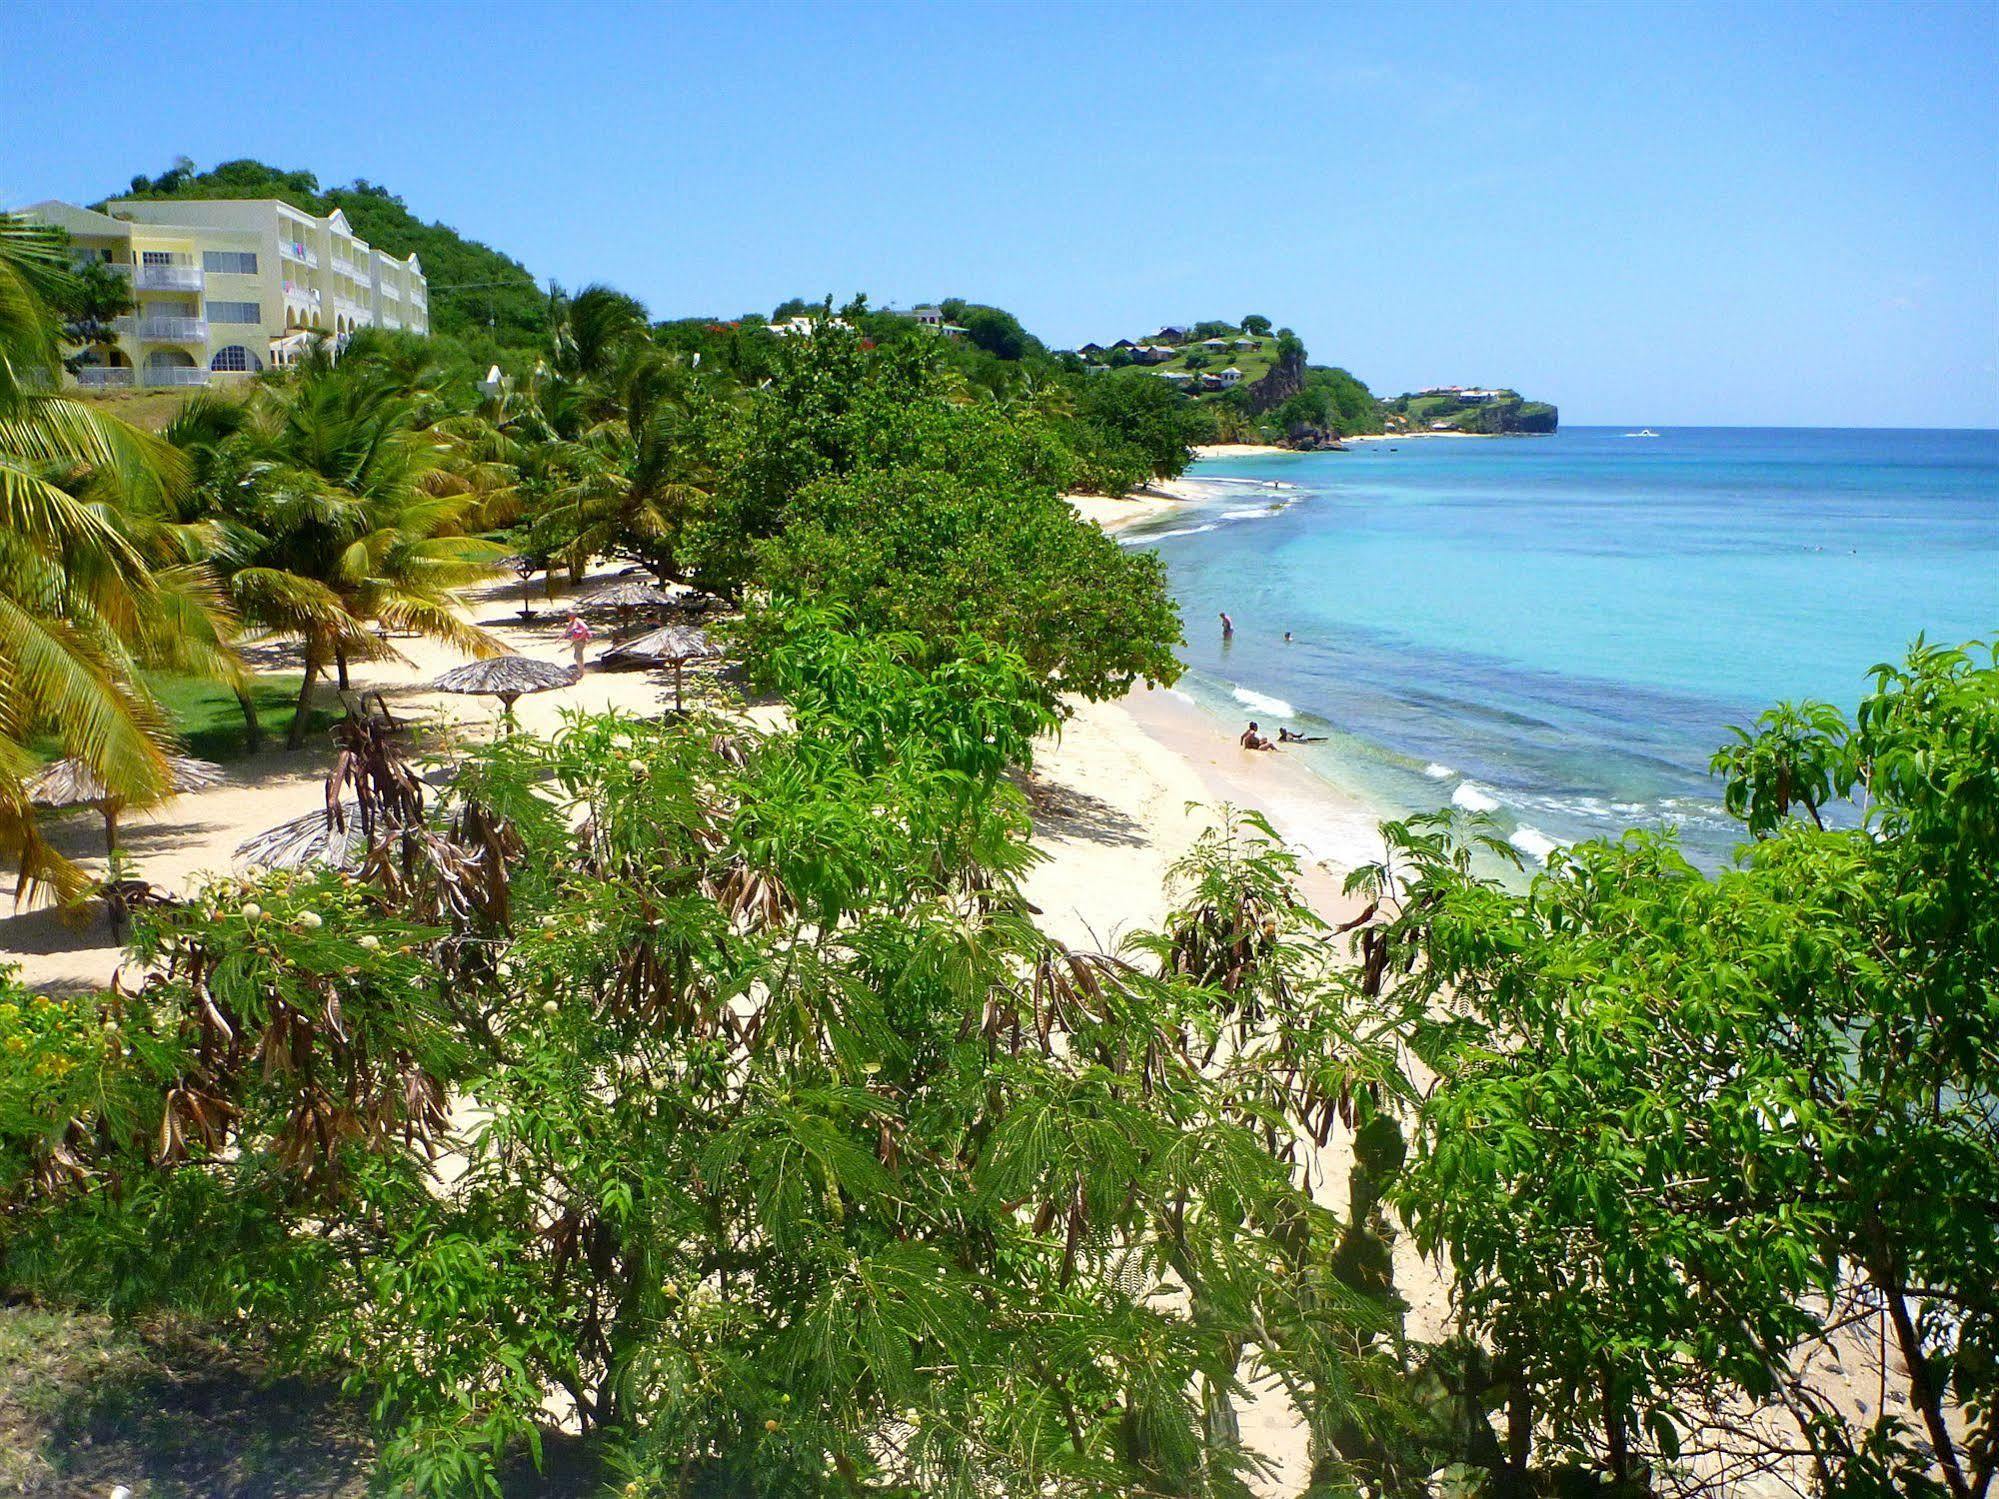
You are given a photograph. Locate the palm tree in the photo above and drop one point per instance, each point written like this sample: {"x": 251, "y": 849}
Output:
{"x": 337, "y": 513}
{"x": 628, "y": 486}
{"x": 98, "y": 577}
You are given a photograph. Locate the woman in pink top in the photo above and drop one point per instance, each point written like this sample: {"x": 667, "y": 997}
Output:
{"x": 579, "y": 635}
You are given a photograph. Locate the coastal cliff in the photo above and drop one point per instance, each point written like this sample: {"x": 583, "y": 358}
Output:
{"x": 1285, "y": 379}
{"x": 1470, "y": 409}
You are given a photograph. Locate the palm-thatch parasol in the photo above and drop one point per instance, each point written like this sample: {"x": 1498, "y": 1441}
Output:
{"x": 506, "y": 678}
{"x": 671, "y": 645}
{"x": 72, "y": 783}
{"x": 523, "y": 567}
{"x": 312, "y": 839}
{"x": 627, "y": 594}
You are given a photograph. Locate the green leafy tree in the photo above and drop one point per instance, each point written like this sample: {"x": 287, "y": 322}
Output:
{"x": 723, "y": 1091}
{"x": 1729, "y": 1113}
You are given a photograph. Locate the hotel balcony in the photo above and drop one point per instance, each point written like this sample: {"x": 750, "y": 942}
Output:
{"x": 174, "y": 374}
{"x": 392, "y": 291}
{"x": 304, "y": 254}
{"x": 105, "y": 377}
{"x": 167, "y": 277}
{"x": 173, "y": 330}
{"x": 344, "y": 266}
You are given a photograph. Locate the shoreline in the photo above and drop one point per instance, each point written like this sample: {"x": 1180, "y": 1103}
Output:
{"x": 1116, "y": 512}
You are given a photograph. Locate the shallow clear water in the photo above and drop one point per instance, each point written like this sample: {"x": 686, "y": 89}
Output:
{"x": 1557, "y": 629}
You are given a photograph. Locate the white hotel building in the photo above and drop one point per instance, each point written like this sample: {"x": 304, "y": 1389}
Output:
{"x": 226, "y": 288}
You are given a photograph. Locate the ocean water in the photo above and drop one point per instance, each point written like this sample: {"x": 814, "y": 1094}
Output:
{"x": 1557, "y": 630}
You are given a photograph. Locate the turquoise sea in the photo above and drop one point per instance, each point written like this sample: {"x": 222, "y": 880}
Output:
{"x": 1557, "y": 629}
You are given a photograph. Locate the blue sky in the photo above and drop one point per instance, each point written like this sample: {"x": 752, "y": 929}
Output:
{"x": 1670, "y": 214}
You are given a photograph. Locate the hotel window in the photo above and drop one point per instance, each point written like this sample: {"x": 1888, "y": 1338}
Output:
{"x": 235, "y": 312}
{"x": 232, "y": 262}
{"x": 235, "y": 360}
{"x": 157, "y": 257}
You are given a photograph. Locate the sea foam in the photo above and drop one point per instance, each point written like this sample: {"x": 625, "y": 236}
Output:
{"x": 1263, "y": 703}
{"x": 1474, "y": 798}
{"x": 1437, "y": 771}
{"x": 1532, "y": 842}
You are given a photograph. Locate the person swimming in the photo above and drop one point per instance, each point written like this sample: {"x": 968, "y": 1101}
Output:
{"x": 1292, "y": 736}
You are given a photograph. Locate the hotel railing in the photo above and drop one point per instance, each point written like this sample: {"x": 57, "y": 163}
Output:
{"x": 292, "y": 249}
{"x": 104, "y": 377}
{"x": 175, "y": 374}
{"x": 174, "y": 330}
{"x": 391, "y": 290}
{"x": 167, "y": 277}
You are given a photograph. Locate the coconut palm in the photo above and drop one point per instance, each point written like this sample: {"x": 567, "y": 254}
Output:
{"x": 629, "y": 486}
{"x": 335, "y": 513}
{"x": 98, "y": 577}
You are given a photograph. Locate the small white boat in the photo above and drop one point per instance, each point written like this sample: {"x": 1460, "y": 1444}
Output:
{"x": 1648, "y": 432}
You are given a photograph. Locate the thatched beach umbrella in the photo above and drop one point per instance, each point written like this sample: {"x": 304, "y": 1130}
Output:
{"x": 71, "y": 783}
{"x": 672, "y": 645}
{"x": 627, "y": 594}
{"x": 506, "y": 678}
{"x": 524, "y": 567}
{"x": 316, "y": 838}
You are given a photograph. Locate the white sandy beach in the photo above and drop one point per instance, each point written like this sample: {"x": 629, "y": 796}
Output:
{"x": 1235, "y": 449}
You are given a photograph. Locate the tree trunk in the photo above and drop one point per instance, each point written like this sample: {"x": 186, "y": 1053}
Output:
{"x": 303, "y": 711}
{"x": 253, "y": 727}
{"x": 1614, "y": 1438}
{"x": 340, "y": 663}
{"x": 1519, "y": 1432}
{"x": 1923, "y": 1391}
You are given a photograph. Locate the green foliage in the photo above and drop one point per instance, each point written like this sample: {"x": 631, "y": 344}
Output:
{"x": 992, "y": 329}
{"x": 1330, "y": 399}
{"x": 777, "y": 1144}
{"x": 917, "y": 513}
{"x": 1143, "y": 417}
{"x": 1728, "y": 1112}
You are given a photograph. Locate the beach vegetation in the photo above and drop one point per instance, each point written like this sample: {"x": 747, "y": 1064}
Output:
{"x": 797, "y": 1160}
{"x": 99, "y": 577}
{"x": 1690, "y": 1133}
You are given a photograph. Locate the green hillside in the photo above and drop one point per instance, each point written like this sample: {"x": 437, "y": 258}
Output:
{"x": 1492, "y": 412}
{"x": 474, "y": 288}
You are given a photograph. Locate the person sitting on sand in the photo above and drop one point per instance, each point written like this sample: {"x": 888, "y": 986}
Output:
{"x": 1252, "y": 739}
{"x": 1292, "y": 736}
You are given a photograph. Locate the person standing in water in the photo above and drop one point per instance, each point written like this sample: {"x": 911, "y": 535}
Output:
{"x": 1228, "y": 626}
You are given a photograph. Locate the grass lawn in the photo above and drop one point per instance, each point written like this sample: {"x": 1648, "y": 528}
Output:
{"x": 153, "y": 409}
{"x": 210, "y": 720}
